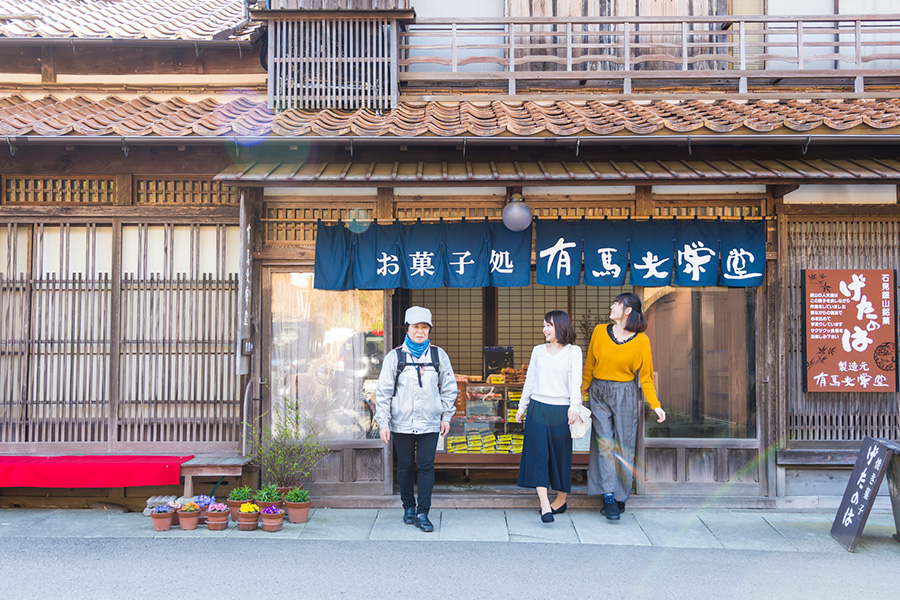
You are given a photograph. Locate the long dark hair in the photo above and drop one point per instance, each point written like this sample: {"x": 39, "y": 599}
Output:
{"x": 565, "y": 333}
{"x": 636, "y": 321}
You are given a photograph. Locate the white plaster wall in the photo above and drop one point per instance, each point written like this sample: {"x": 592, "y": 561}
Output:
{"x": 843, "y": 194}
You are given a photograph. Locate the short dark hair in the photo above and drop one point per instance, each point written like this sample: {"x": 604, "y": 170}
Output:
{"x": 636, "y": 321}
{"x": 565, "y": 333}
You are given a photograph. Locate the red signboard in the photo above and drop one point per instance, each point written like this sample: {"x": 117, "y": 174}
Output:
{"x": 851, "y": 334}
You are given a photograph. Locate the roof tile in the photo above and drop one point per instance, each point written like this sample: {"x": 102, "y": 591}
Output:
{"x": 122, "y": 19}
{"x": 114, "y": 116}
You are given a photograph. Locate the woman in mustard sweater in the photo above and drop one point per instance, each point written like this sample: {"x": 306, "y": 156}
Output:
{"x": 617, "y": 353}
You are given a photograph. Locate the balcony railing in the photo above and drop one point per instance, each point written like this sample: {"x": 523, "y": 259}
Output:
{"x": 743, "y": 54}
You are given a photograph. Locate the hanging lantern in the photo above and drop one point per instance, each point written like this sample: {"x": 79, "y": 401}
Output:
{"x": 517, "y": 214}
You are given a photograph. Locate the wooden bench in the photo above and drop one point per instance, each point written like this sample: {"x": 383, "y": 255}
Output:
{"x": 211, "y": 465}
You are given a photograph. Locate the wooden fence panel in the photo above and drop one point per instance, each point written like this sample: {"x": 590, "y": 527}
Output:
{"x": 175, "y": 369}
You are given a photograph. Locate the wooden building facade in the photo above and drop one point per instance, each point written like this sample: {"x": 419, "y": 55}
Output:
{"x": 128, "y": 186}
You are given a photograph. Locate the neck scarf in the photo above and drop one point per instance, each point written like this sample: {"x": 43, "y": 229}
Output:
{"x": 416, "y": 349}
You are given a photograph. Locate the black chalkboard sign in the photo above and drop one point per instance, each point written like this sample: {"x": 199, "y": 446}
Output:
{"x": 871, "y": 464}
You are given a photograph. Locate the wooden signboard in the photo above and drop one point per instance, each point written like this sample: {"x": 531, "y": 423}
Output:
{"x": 850, "y": 330}
{"x": 876, "y": 457}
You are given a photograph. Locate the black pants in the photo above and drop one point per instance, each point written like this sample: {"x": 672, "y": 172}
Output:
{"x": 415, "y": 451}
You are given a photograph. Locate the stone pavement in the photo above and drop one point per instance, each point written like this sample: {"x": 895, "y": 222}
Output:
{"x": 762, "y": 530}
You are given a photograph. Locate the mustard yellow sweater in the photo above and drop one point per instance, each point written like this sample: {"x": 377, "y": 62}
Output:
{"x": 619, "y": 362}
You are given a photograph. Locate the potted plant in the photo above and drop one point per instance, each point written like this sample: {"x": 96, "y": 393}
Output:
{"x": 285, "y": 444}
{"x": 203, "y": 502}
{"x": 272, "y": 518}
{"x": 268, "y": 496}
{"x": 162, "y": 517}
{"x": 217, "y": 516}
{"x": 248, "y": 516}
{"x": 236, "y": 497}
{"x": 297, "y": 503}
{"x": 174, "y": 506}
{"x": 189, "y": 516}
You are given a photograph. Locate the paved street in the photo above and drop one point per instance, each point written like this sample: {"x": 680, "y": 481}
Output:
{"x": 472, "y": 554}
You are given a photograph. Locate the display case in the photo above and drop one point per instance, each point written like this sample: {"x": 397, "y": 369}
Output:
{"x": 484, "y": 432}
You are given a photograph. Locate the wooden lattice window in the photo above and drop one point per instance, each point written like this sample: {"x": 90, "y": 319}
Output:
{"x": 31, "y": 189}
{"x": 469, "y": 207}
{"x": 729, "y": 208}
{"x": 288, "y": 223}
{"x": 589, "y": 209}
{"x": 333, "y": 63}
{"x": 170, "y": 190}
{"x": 816, "y": 417}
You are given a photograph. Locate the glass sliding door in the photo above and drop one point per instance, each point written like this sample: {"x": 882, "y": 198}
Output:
{"x": 704, "y": 344}
{"x": 325, "y": 352}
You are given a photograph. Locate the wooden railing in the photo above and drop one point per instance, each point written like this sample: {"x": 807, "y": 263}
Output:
{"x": 628, "y": 52}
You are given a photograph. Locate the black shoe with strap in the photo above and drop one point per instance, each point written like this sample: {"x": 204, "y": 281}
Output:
{"x": 409, "y": 516}
{"x": 423, "y": 523}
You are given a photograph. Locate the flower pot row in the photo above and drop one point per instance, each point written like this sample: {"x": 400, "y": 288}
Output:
{"x": 248, "y": 519}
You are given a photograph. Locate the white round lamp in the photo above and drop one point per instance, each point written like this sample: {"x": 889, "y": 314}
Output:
{"x": 517, "y": 214}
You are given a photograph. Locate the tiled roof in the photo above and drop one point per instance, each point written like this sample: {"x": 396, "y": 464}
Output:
{"x": 119, "y": 19}
{"x": 144, "y": 116}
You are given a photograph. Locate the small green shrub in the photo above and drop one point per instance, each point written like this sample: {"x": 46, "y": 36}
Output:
{"x": 297, "y": 495}
{"x": 241, "y": 494}
{"x": 268, "y": 493}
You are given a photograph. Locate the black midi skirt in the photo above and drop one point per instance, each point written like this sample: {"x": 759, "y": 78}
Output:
{"x": 547, "y": 450}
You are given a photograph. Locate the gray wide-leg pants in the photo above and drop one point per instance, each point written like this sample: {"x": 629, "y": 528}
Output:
{"x": 614, "y": 417}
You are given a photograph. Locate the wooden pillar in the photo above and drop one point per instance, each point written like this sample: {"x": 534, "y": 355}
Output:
{"x": 48, "y": 65}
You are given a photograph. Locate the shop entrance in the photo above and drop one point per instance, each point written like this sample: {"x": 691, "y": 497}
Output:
{"x": 325, "y": 348}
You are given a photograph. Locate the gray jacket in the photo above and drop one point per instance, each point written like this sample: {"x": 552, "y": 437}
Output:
{"x": 415, "y": 408}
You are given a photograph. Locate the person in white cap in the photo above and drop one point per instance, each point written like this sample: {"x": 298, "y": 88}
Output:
{"x": 414, "y": 401}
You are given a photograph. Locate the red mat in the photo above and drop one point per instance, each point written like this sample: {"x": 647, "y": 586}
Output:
{"x": 90, "y": 471}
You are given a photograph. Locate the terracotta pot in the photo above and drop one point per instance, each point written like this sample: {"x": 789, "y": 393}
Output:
{"x": 162, "y": 521}
{"x": 263, "y": 505}
{"x": 272, "y": 522}
{"x": 235, "y": 506}
{"x": 188, "y": 520}
{"x": 297, "y": 512}
{"x": 248, "y": 521}
{"x": 202, "y": 520}
{"x": 217, "y": 521}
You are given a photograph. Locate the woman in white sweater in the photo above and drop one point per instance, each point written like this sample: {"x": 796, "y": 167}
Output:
{"x": 550, "y": 399}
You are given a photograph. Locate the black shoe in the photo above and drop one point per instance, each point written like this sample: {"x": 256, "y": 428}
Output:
{"x": 423, "y": 523}
{"x": 547, "y": 517}
{"x": 610, "y": 508}
{"x": 560, "y": 510}
{"x": 621, "y": 506}
{"x": 409, "y": 516}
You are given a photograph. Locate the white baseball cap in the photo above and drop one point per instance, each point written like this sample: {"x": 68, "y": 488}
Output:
{"x": 417, "y": 314}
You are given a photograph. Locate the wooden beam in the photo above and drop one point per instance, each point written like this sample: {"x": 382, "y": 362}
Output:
{"x": 643, "y": 200}
{"x": 48, "y": 65}
{"x": 780, "y": 191}
{"x": 849, "y": 211}
{"x": 196, "y": 214}
{"x": 384, "y": 204}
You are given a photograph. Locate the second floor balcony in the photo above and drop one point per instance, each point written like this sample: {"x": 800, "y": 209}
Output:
{"x": 502, "y": 58}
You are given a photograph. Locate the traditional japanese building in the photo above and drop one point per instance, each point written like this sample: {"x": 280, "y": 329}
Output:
{"x": 167, "y": 172}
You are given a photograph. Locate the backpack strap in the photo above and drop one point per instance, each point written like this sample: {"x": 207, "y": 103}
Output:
{"x": 402, "y": 363}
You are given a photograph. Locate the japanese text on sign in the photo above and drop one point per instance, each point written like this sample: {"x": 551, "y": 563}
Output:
{"x": 850, "y": 330}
